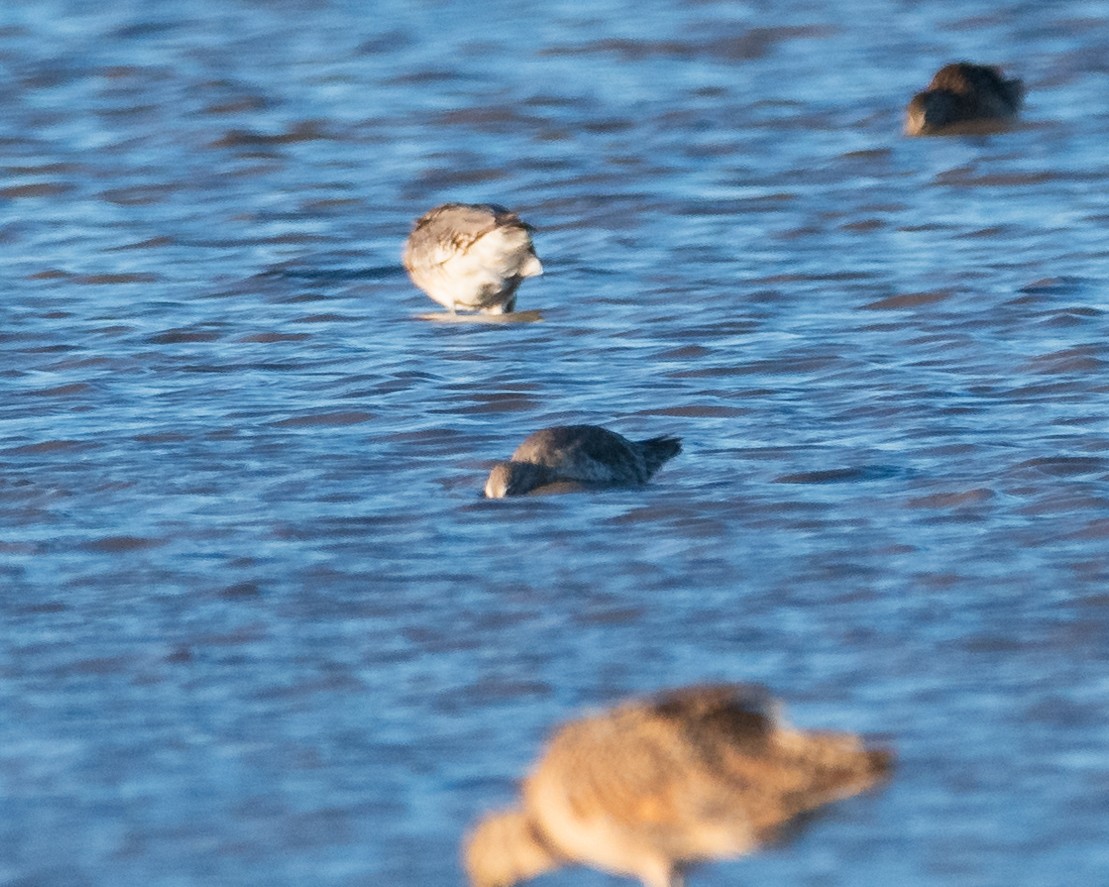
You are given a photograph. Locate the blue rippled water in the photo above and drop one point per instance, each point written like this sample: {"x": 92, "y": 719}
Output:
{"x": 256, "y": 624}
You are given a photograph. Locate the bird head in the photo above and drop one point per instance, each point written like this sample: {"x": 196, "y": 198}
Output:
{"x": 504, "y": 849}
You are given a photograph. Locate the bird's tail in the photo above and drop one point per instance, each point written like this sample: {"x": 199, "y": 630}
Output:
{"x": 658, "y": 450}
{"x": 1014, "y": 92}
{"x": 530, "y": 267}
{"x": 840, "y": 765}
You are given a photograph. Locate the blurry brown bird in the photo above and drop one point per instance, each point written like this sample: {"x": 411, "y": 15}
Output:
{"x": 964, "y": 97}
{"x": 654, "y": 785}
{"x": 471, "y": 256}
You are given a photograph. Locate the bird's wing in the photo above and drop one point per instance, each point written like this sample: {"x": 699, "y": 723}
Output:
{"x": 635, "y": 773}
{"x": 444, "y": 235}
{"x": 774, "y": 772}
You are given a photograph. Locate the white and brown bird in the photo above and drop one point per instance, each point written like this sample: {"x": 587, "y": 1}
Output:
{"x": 566, "y": 458}
{"x": 471, "y": 257}
{"x": 655, "y": 785}
{"x": 964, "y": 98}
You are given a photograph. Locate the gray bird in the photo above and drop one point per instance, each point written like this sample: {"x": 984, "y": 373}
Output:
{"x": 471, "y": 257}
{"x": 964, "y": 97}
{"x": 565, "y": 458}
{"x": 655, "y": 785}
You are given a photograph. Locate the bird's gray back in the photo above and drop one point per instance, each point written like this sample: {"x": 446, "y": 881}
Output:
{"x": 585, "y": 453}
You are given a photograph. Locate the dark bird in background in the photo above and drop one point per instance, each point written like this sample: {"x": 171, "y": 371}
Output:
{"x": 654, "y": 785}
{"x": 471, "y": 257}
{"x": 568, "y": 458}
{"x": 963, "y": 98}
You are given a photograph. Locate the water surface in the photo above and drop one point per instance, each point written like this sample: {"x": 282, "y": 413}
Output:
{"x": 258, "y": 626}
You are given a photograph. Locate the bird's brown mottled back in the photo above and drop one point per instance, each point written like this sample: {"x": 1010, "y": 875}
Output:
{"x": 653, "y": 785}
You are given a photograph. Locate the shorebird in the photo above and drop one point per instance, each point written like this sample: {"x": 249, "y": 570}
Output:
{"x": 655, "y": 785}
{"x": 578, "y": 457}
{"x": 963, "y": 97}
{"x": 471, "y": 257}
